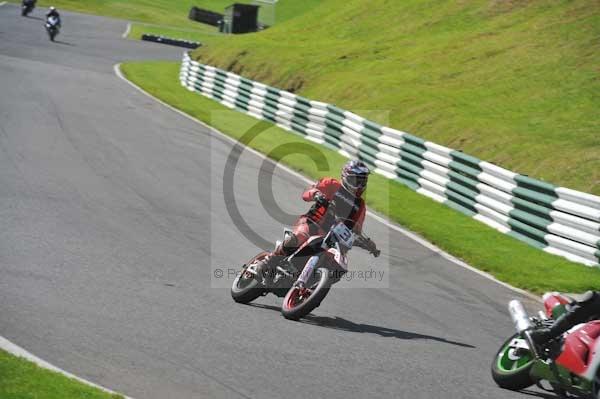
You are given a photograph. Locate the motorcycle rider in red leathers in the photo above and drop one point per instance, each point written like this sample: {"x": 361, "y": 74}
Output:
{"x": 350, "y": 206}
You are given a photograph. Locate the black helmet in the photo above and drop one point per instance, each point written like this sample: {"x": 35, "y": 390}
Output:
{"x": 354, "y": 176}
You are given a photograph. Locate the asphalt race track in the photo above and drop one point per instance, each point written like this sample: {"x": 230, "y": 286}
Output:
{"x": 113, "y": 221}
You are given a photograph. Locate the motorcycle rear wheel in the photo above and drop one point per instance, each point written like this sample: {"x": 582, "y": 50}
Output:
{"x": 245, "y": 287}
{"x": 510, "y": 372}
{"x": 296, "y": 305}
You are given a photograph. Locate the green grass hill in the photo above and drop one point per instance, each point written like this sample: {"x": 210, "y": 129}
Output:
{"x": 516, "y": 83}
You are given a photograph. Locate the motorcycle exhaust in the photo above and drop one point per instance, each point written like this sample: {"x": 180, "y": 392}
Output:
{"x": 519, "y": 316}
{"x": 523, "y": 324}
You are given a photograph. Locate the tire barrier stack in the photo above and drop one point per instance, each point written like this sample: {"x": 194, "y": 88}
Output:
{"x": 205, "y": 16}
{"x": 172, "y": 42}
{"x": 557, "y": 220}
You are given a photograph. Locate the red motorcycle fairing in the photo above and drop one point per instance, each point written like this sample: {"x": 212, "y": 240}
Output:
{"x": 579, "y": 348}
{"x": 552, "y": 300}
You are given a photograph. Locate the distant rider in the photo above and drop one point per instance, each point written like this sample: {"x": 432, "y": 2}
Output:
{"x": 586, "y": 309}
{"x": 349, "y": 205}
{"x": 53, "y": 12}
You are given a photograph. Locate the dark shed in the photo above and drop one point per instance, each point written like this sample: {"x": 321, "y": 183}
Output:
{"x": 241, "y": 18}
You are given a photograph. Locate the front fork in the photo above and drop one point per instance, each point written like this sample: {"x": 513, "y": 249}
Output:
{"x": 308, "y": 270}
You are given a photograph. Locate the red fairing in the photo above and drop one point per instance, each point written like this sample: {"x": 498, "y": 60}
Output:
{"x": 552, "y": 300}
{"x": 579, "y": 348}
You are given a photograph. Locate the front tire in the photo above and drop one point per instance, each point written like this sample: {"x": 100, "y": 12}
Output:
{"x": 245, "y": 287}
{"x": 512, "y": 371}
{"x": 296, "y": 305}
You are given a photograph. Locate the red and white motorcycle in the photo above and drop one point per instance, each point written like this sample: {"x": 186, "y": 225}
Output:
{"x": 303, "y": 279}
{"x": 568, "y": 366}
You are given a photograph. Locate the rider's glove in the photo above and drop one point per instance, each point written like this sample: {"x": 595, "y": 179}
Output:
{"x": 372, "y": 248}
{"x": 320, "y": 198}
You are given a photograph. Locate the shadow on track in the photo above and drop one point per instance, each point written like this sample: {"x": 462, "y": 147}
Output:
{"x": 339, "y": 323}
{"x": 543, "y": 395}
{"x": 38, "y": 18}
{"x": 65, "y": 43}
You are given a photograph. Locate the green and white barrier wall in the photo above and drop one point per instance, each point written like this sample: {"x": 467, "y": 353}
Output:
{"x": 558, "y": 220}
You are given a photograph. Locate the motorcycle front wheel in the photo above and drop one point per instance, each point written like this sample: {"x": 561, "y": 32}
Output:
{"x": 511, "y": 370}
{"x": 245, "y": 287}
{"x": 301, "y": 301}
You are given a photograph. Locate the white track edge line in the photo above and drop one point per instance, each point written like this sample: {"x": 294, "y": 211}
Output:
{"x": 127, "y": 30}
{"x": 2, "y": 3}
{"x": 16, "y": 350}
{"x": 385, "y": 222}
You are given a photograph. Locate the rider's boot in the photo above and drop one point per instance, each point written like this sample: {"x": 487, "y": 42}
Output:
{"x": 267, "y": 265}
{"x": 287, "y": 247}
{"x": 542, "y": 336}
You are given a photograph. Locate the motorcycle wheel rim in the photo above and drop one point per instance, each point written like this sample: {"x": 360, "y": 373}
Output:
{"x": 243, "y": 282}
{"x": 508, "y": 365}
{"x": 300, "y": 295}
{"x": 247, "y": 278}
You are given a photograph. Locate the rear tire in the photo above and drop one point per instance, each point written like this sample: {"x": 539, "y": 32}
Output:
{"x": 293, "y": 310}
{"x": 245, "y": 287}
{"x": 511, "y": 372}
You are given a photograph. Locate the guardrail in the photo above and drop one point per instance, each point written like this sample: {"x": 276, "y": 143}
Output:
{"x": 170, "y": 41}
{"x": 556, "y": 219}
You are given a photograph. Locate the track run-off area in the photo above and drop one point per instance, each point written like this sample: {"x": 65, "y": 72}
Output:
{"x": 113, "y": 218}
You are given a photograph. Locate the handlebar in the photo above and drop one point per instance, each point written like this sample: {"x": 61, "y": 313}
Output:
{"x": 361, "y": 240}
{"x": 366, "y": 243}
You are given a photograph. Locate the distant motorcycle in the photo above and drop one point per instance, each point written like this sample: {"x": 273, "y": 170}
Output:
{"x": 52, "y": 27}
{"x": 27, "y": 7}
{"x": 570, "y": 364}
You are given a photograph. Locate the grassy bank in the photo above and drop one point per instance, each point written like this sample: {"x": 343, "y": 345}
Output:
{"x": 21, "y": 379}
{"x": 506, "y": 258}
{"x": 515, "y": 83}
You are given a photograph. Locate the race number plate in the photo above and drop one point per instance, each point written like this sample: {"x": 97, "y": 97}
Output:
{"x": 344, "y": 235}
